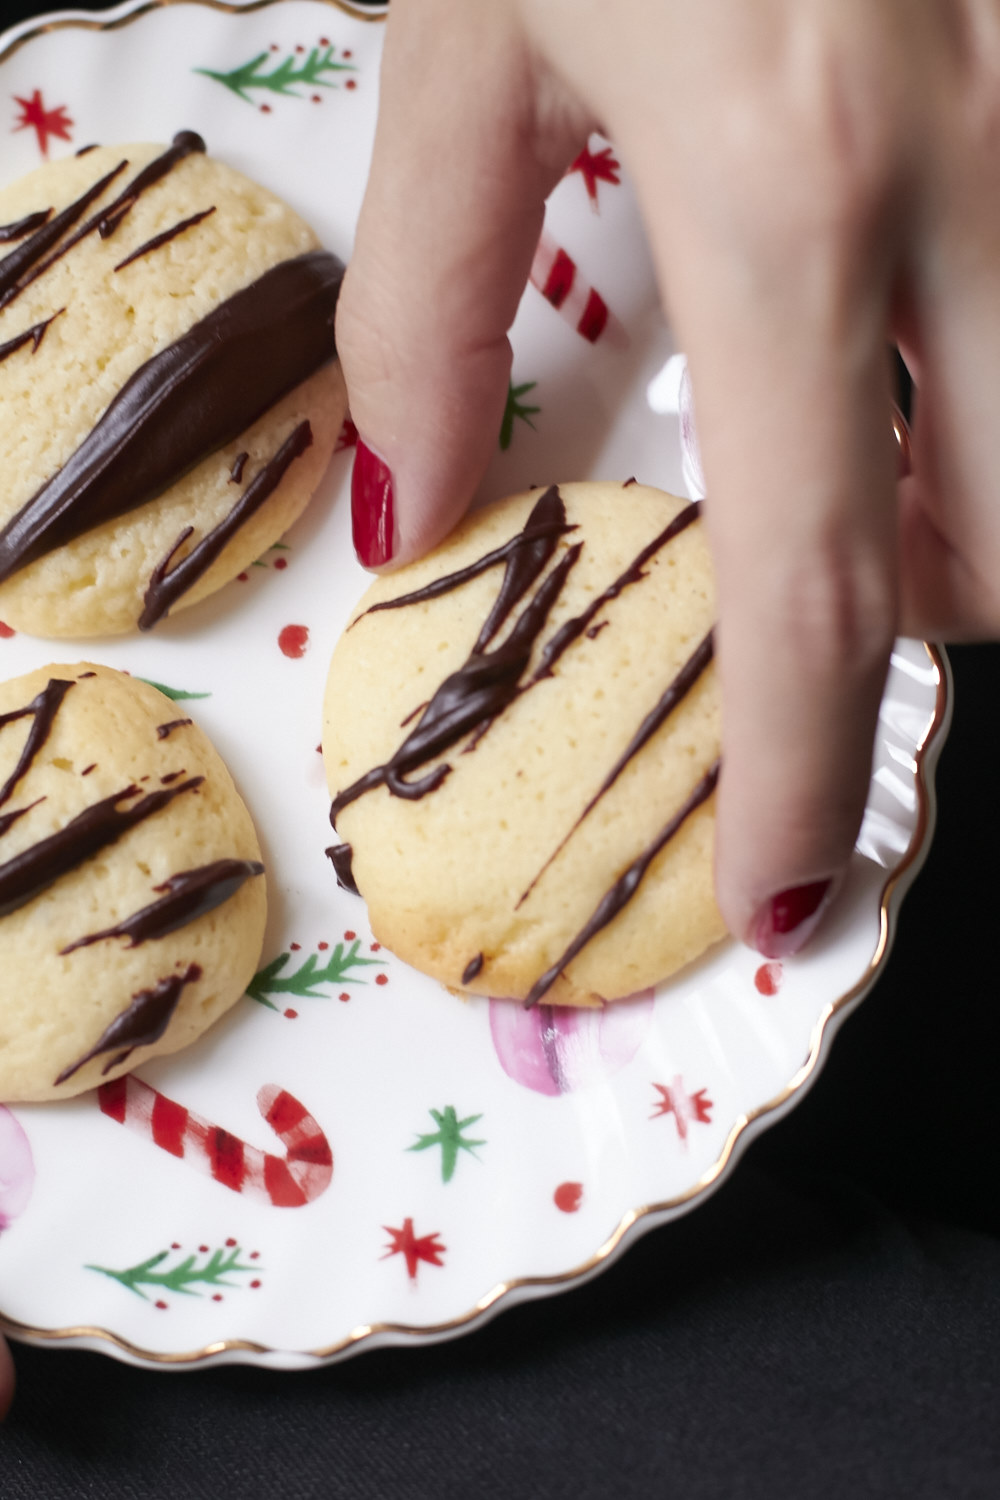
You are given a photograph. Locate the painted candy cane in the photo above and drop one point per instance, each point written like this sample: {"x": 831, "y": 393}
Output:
{"x": 286, "y": 1182}
{"x": 557, "y": 276}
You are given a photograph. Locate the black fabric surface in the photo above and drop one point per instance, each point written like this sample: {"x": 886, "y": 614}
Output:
{"x": 827, "y": 1325}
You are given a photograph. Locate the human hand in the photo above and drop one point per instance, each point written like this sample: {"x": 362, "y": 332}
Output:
{"x": 816, "y": 178}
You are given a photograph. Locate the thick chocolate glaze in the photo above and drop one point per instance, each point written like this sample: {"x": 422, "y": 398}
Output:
{"x": 625, "y": 886}
{"x": 22, "y": 227}
{"x": 185, "y": 402}
{"x": 466, "y": 701}
{"x": 43, "y": 708}
{"x": 32, "y": 336}
{"x": 142, "y": 1023}
{"x": 167, "y": 583}
{"x": 544, "y": 526}
{"x": 672, "y": 695}
{"x": 341, "y": 857}
{"x": 107, "y": 219}
{"x": 164, "y": 237}
{"x": 189, "y": 895}
{"x": 40, "y": 865}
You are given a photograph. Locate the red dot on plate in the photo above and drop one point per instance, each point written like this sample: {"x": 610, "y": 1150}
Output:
{"x": 265, "y": 109}
{"x": 344, "y": 996}
{"x": 175, "y": 1245}
{"x": 202, "y": 1249}
{"x": 243, "y": 578}
{"x": 295, "y": 947}
{"x": 6, "y": 631}
{"x": 349, "y": 936}
{"x": 291, "y": 1015}
{"x": 322, "y": 947}
{"x": 317, "y": 98}
{"x": 350, "y": 84}
{"x": 280, "y": 562}
{"x": 376, "y": 947}
{"x": 768, "y": 978}
{"x": 381, "y": 979}
{"x": 324, "y": 41}
{"x": 216, "y": 1296}
{"x": 300, "y": 49}
{"x": 293, "y": 640}
{"x": 568, "y": 1196}
{"x": 255, "y": 1255}
{"x": 230, "y": 1242}
{"x": 347, "y": 52}
{"x": 255, "y": 1284}
{"x": 162, "y": 1306}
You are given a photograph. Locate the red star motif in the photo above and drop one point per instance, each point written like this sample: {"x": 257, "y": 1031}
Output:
{"x": 404, "y": 1242}
{"x": 595, "y": 167}
{"x": 44, "y": 122}
{"x": 348, "y": 436}
{"x": 686, "y": 1108}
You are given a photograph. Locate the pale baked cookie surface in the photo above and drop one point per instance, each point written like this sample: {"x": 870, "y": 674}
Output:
{"x": 562, "y": 791}
{"x": 80, "y": 319}
{"x": 132, "y": 897}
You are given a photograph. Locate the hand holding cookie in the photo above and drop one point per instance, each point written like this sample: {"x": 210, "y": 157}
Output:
{"x": 813, "y": 185}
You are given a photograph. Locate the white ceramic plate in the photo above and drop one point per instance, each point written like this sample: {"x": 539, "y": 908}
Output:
{"x": 481, "y": 1154}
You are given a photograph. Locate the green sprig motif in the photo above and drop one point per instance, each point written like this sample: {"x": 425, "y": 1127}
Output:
{"x": 517, "y": 410}
{"x": 176, "y": 694}
{"x": 450, "y": 1136}
{"x": 303, "y": 982}
{"x": 249, "y": 75}
{"x": 183, "y": 1276}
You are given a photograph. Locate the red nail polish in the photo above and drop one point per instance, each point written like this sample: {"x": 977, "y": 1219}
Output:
{"x": 372, "y": 516}
{"x": 788, "y": 920}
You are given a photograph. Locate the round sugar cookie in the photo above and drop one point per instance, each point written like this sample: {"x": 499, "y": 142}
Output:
{"x": 168, "y": 381}
{"x": 132, "y": 898}
{"x": 521, "y": 738}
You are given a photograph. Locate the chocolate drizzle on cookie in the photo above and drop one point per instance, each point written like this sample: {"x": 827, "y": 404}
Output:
{"x": 341, "y": 857}
{"x": 164, "y": 731}
{"x": 625, "y": 887}
{"x": 40, "y": 865}
{"x": 22, "y": 227}
{"x": 467, "y": 701}
{"x": 142, "y": 1023}
{"x": 190, "y": 894}
{"x": 32, "y": 336}
{"x": 166, "y": 583}
{"x": 43, "y": 709}
{"x": 164, "y": 237}
{"x": 185, "y": 402}
{"x": 24, "y": 265}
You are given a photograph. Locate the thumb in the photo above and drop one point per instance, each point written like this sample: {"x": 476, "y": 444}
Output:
{"x": 450, "y": 221}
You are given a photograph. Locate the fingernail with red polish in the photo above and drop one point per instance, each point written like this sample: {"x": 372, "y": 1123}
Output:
{"x": 372, "y": 516}
{"x": 787, "y": 922}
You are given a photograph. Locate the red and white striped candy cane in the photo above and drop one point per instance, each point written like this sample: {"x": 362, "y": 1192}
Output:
{"x": 286, "y": 1182}
{"x": 557, "y": 276}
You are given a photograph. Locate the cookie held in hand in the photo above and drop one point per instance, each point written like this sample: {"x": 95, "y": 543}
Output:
{"x": 132, "y": 899}
{"x": 522, "y": 738}
{"x": 168, "y": 379}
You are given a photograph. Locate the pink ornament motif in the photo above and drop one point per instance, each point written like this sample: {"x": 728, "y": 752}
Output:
{"x": 687, "y": 1109}
{"x": 299, "y": 1177}
{"x": 17, "y": 1169}
{"x": 555, "y": 1049}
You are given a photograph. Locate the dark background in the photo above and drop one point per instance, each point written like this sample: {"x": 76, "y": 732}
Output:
{"x": 828, "y": 1324}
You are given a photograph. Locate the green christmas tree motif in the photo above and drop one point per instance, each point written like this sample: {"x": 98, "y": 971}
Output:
{"x": 177, "y": 694}
{"x": 450, "y": 1137}
{"x": 185, "y": 1275}
{"x": 303, "y": 982}
{"x": 295, "y": 69}
{"x": 516, "y": 410}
